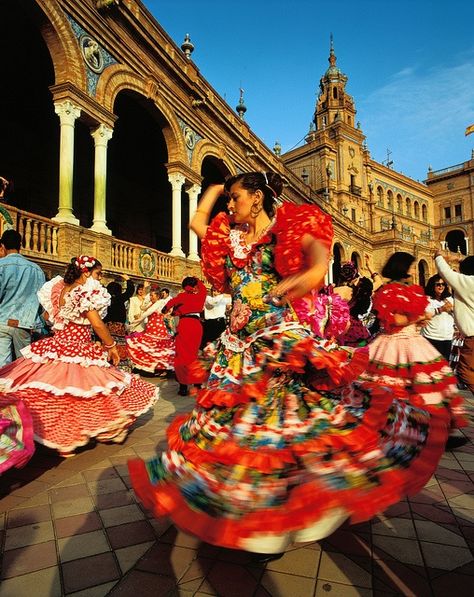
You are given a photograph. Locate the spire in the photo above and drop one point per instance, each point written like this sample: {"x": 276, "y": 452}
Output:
{"x": 333, "y": 70}
{"x": 241, "y": 107}
{"x": 332, "y": 56}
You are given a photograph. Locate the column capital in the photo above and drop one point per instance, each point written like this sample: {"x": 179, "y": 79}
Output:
{"x": 193, "y": 191}
{"x": 67, "y": 112}
{"x": 102, "y": 134}
{"x": 176, "y": 180}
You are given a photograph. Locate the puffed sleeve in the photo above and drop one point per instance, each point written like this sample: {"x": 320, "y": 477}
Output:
{"x": 214, "y": 250}
{"x": 48, "y": 296}
{"x": 91, "y": 296}
{"x": 292, "y": 222}
{"x": 393, "y": 298}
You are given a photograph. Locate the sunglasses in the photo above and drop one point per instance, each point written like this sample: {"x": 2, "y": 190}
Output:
{"x": 440, "y": 284}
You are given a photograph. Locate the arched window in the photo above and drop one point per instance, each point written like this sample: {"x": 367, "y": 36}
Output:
{"x": 389, "y": 199}
{"x": 416, "y": 208}
{"x": 356, "y": 260}
{"x": 408, "y": 206}
{"x": 337, "y": 258}
{"x": 399, "y": 204}
{"x": 334, "y": 92}
{"x": 423, "y": 272}
{"x": 424, "y": 212}
{"x": 456, "y": 241}
{"x": 380, "y": 196}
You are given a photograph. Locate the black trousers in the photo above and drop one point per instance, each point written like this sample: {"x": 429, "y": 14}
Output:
{"x": 213, "y": 328}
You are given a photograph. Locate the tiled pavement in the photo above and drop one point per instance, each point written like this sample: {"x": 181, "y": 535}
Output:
{"x": 73, "y": 527}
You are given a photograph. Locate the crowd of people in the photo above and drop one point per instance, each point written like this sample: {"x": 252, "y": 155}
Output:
{"x": 314, "y": 403}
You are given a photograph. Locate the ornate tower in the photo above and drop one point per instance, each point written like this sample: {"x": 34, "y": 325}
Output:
{"x": 334, "y": 104}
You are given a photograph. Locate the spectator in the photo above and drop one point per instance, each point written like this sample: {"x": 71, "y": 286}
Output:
{"x": 20, "y": 280}
{"x": 439, "y": 330}
{"x": 215, "y": 309}
{"x": 462, "y": 284}
{"x": 137, "y": 304}
{"x": 116, "y": 317}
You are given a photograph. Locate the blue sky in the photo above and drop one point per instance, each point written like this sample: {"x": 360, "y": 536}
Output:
{"x": 410, "y": 65}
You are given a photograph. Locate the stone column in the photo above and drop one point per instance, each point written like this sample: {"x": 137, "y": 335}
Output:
{"x": 466, "y": 240}
{"x": 176, "y": 180}
{"x": 328, "y": 277}
{"x": 101, "y": 136}
{"x": 193, "y": 193}
{"x": 67, "y": 113}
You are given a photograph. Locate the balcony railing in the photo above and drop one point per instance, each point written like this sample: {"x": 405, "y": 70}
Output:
{"x": 455, "y": 220}
{"x": 40, "y": 235}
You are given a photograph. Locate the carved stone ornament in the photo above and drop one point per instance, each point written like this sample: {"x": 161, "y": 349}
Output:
{"x": 189, "y": 137}
{"x": 352, "y": 152}
{"x": 106, "y": 3}
{"x": 146, "y": 263}
{"x": 92, "y": 53}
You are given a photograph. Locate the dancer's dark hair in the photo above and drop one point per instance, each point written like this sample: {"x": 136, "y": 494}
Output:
{"x": 270, "y": 183}
{"x": 430, "y": 287}
{"x": 397, "y": 266}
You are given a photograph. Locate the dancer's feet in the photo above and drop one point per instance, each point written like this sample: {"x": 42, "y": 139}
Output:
{"x": 263, "y": 558}
{"x": 183, "y": 390}
{"x": 65, "y": 454}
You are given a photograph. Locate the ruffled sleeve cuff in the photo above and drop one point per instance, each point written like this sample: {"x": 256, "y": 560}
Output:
{"x": 214, "y": 250}
{"x": 48, "y": 296}
{"x": 292, "y": 222}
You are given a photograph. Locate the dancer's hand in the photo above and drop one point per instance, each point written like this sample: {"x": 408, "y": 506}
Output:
{"x": 113, "y": 356}
{"x": 298, "y": 285}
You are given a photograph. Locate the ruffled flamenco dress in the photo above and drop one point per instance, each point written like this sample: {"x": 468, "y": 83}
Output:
{"x": 16, "y": 435}
{"x": 66, "y": 382}
{"x": 154, "y": 348}
{"x": 402, "y": 359}
{"x": 281, "y": 447}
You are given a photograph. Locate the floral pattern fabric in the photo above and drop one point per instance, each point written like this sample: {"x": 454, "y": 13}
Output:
{"x": 280, "y": 441}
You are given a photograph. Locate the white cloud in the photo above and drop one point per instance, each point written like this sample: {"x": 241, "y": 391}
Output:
{"x": 421, "y": 116}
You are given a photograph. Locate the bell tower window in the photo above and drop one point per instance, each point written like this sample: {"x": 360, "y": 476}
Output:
{"x": 334, "y": 92}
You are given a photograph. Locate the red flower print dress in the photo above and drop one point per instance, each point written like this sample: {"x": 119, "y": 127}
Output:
{"x": 71, "y": 391}
{"x": 281, "y": 446}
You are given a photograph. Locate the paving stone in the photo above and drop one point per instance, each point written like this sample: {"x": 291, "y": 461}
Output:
{"x": 29, "y": 559}
{"x": 101, "y": 474}
{"x": 43, "y": 582}
{"x": 132, "y": 533}
{"x": 114, "y": 500}
{"x": 89, "y": 572}
{"x": 143, "y": 584}
{"x": 27, "y": 516}
{"x": 30, "y": 534}
{"x": 339, "y": 568}
{"x": 452, "y": 584}
{"x": 394, "y": 527}
{"x": 80, "y": 546}
{"x": 324, "y": 588}
{"x": 99, "y": 591}
{"x": 121, "y": 515}
{"x": 445, "y": 557}
{"x": 400, "y": 578}
{"x": 195, "y": 574}
{"x": 302, "y": 562}
{"x": 72, "y": 492}
{"x": 128, "y": 556}
{"x": 277, "y": 583}
{"x": 75, "y": 525}
{"x": 403, "y": 550}
{"x": 104, "y": 486}
{"x": 430, "y": 531}
{"x": 167, "y": 560}
{"x": 81, "y": 505}
{"x": 463, "y": 501}
{"x": 230, "y": 580}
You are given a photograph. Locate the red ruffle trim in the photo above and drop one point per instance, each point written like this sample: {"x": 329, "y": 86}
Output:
{"x": 215, "y": 247}
{"x": 306, "y": 505}
{"x": 395, "y": 298}
{"x": 293, "y": 221}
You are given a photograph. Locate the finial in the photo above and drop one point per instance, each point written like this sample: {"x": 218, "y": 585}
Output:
{"x": 277, "y": 148}
{"x": 430, "y": 169}
{"x": 187, "y": 46}
{"x": 241, "y": 108}
{"x": 332, "y": 56}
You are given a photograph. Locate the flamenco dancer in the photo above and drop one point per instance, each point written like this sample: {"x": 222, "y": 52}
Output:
{"x": 153, "y": 349}
{"x": 281, "y": 447}
{"x": 401, "y": 357}
{"x": 16, "y": 435}
{"x": 66, "y": 382}
{"x": 187, "y": 305}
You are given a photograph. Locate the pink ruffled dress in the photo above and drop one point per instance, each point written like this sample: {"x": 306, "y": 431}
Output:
{"x": 69, "y": 387}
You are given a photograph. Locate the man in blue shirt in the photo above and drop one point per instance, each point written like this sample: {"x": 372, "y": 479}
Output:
{"x": 20, "y": 280}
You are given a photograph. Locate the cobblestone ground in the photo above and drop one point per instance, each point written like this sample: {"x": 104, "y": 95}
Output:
{"x": 73, "y": 527}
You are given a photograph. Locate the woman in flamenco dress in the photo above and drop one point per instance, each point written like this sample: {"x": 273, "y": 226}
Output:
{"x": 400, "y": 357}
{"x": 16, "y": 435}
{"x": 280, "y": 446}
{"x": 66, "y": 381}
{"x": 153, "y": 349}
